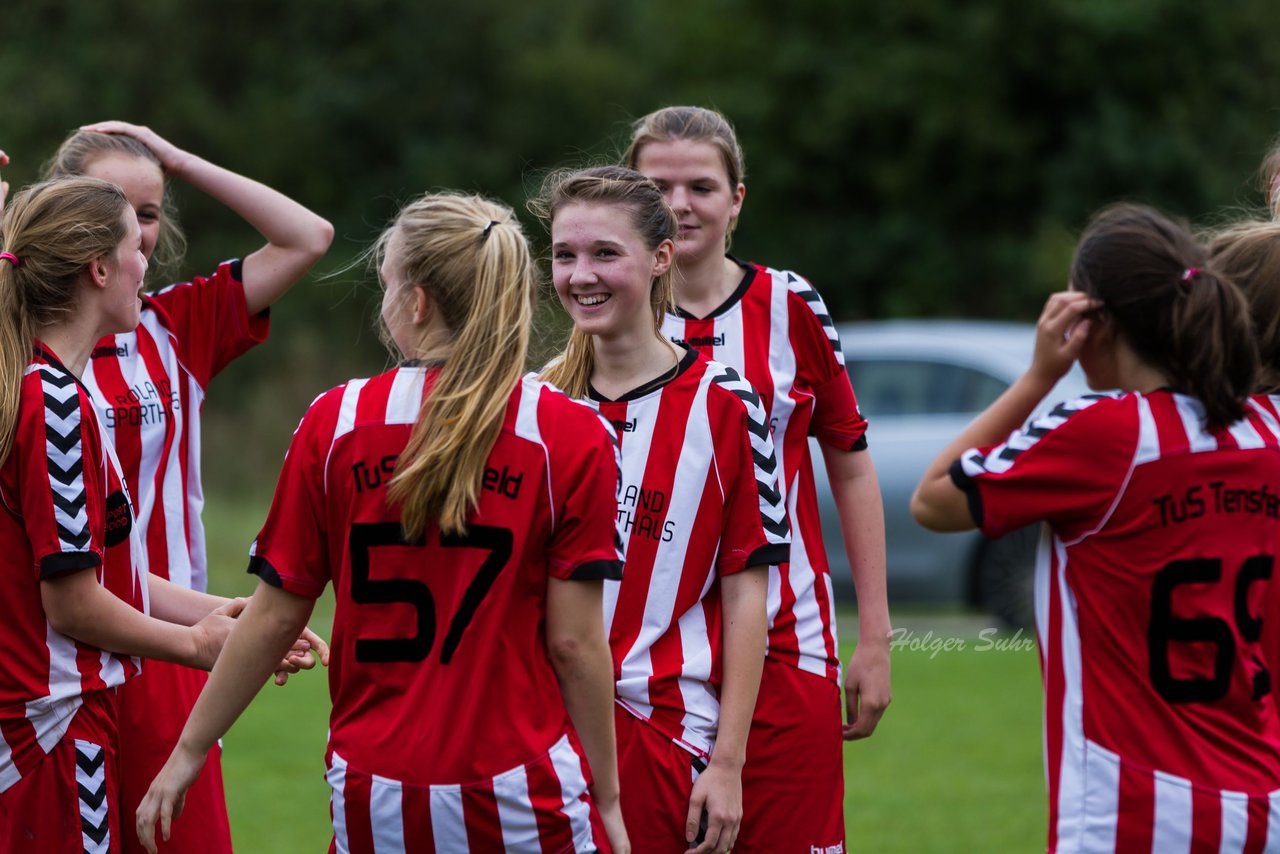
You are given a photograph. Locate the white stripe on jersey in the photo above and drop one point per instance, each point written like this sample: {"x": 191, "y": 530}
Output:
{"x": 1071, "y": 774}
{"x": 1148, "y": 436}
{"x": 696, "y": 459}
{"x": 64, "y": 673}
{"x": 404, "y": 403}
{"x": 526, "y": 427}
{"x": 1191, "y": 411}
{"x": 1171, "y": 830}
{"x": 1101, "y": 806}
{"x": 337, "y": 777}
{"x": 1246, "y": 437}
{"x": 386, "y": 816}
{"x": 8, "y": 771}
{"x": 1273, "y": 822}
{"x": 1235, "y": 822}
{"x": 515, "y": 811}
{"x": 346, "y": 420}
{"x": 1267, "y": 418}
{"x": 448, "y": 827}
{"x": 568, "y": 768}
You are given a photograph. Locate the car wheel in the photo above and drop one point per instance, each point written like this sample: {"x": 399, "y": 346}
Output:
{"x": 1003, "y": 577}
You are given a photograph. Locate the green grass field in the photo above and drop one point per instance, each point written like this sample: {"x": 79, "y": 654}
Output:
{"x": 954, "y": 767}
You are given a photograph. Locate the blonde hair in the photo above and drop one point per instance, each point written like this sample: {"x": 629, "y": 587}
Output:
{"x": 651, "y": 218}
{"x": 55, "y": 229}
{"x": 1248, "y": 253}
{"x": 695, "y": 124}
{"x": 78, "y": 152}
{"x": 470, "y": 256}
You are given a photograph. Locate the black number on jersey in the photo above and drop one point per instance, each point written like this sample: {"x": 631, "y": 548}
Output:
{"x": 1166, "y": 629}
{"x": 366, "y": 536}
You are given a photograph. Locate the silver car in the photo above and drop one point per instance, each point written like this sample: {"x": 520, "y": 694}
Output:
{"x": 919, "y": 383}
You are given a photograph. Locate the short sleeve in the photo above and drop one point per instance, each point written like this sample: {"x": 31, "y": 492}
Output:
{"x": 820, "y": 367}
{"x": 755, "y": 530}
{"x": 291, "y": 552}
{"x": 585, "y": 544}
{"x": 1065, "y": 468}
{"x": 61, "y": 474}
{"x": 210, "y": 320}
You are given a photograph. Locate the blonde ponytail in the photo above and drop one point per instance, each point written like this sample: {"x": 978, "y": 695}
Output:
{"x": 54, "y": 230}
{"x": 471, "y": 258}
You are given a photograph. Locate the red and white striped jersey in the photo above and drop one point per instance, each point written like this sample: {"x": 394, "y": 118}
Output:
{"x": 699, "y": 499}
{"x": 776, "y": 332}
{"x": 440, "y": 673}
{"x": 65, "y": 510}
{"x": 539, "y": 806}
{"x": 149, "y": 386}
{"x": 1158, "y": 555}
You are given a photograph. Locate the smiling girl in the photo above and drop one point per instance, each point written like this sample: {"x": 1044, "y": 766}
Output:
{"x": 699, "y": 506}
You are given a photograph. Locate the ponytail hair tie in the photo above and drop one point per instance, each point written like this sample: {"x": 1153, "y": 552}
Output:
{"x": 1190, "y": 273}
{"x": 11, "y": 258}
{"x": 487, "y": 229}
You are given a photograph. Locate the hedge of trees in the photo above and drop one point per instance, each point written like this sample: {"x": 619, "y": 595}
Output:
{"x": 915, "y": 157}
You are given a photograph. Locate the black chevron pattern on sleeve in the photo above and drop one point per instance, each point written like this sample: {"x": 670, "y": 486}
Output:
{"x": 91, "y": 784}
{"x": 773, "y": 511}
{"x": 65, "y": 457}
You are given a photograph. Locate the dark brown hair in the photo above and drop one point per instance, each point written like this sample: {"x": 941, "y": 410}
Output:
{"x": 1170, "y": 304}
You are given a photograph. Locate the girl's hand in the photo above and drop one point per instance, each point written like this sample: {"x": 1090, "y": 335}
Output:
{"x": 866, "y": 688}
{"x": 4, "y": 185}
{"x": 718, "y": 792}
{"x": 306, "y": 650}
{"x": 172, "y": 159}
{"x": 168, "y": 794}
{"x": 1061, "y": 333}
{"x": 211, "y": 632}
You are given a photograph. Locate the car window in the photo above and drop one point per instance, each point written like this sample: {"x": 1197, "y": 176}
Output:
{"x": 913, "y": 387}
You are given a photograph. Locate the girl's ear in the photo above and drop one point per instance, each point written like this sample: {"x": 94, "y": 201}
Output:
{"x": 99, "y": 271}
{"x": 662, "y": 257}
{"x": 423, "y": 305}
{"x": 739, "y": 193}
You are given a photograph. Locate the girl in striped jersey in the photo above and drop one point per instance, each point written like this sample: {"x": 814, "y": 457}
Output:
{"x": 74, "y": 580}
{"x": 699, "y": 505}
{"x": 1162, "y": 506}
{"x": 773, "y": 328}
{"x": 465, "y": 517}
{"x": 149, "y": 385}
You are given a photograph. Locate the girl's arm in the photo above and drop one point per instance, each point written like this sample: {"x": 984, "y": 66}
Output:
{"x": 857, "y": 495}
{"x": 718, "y": 789}
{"x": 1061, "y": 334}
{"x": 79, "y": 607}
{"x": 177, "y": 604}
{"x": 263, "y": 634}
{"x": 580, "y": 657}
{"x": 296, "y": 237}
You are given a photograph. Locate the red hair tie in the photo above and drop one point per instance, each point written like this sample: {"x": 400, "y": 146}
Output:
{"x": 1190, "y": 273}
{"x": 11, "y": 258}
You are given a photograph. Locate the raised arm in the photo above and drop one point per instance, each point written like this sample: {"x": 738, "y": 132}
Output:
{"x": 296, "y": 237}
{"x": 1061, "y": 333}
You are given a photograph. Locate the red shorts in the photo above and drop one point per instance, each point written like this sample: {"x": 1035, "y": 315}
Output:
{"x": 67, "y": 804}
{"x": 793, "y": 780}
{"x": 542, "y": 807}
{"x": 655, "y": 782}
{"x": 153, "y": 709}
